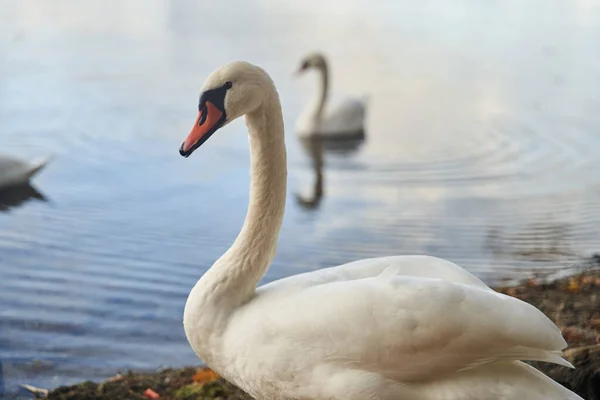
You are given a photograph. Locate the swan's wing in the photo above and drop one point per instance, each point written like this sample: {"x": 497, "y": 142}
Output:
{"x": 406, "y": 328}
{"x": 408, "y": 265}
{"x": 344, "y": 116}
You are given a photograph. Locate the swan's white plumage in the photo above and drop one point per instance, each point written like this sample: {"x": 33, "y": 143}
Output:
{"x": 401, "y": 327}
{"x": 14, "y": 171}
{"x": 337, "y": 119}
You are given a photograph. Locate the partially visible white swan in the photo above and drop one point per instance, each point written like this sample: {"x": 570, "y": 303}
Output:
{"x": 338, "y": 121}
{"x": 389, "y": 328}
{"x": 14, "y": 171}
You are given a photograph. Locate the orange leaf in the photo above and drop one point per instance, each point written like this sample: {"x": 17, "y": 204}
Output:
{"x": 205, "y": 375}
{"x": 588, "y": 280}
{"x": 595, "y": 323}
{"x": 573, "y": 286}
{"x": 151, "y": 394}
{"x": 530, "y": 282}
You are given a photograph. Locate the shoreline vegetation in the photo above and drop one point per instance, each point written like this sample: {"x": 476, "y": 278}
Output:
{"x": 572, "y": 302}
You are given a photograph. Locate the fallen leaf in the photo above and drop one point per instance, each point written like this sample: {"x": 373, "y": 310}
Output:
{"x": 588, "y": 280}
{"x": 151, "y": 394}
{"x": 595, "y": 323}
{"x": 205, "y": 375}
{"x": 530, "y": 282}
{"x": 578, "y": 336}
{"x": 573, "y": 286}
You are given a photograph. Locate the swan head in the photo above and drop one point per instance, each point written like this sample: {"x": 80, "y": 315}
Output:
{"x": 228, "y": 93}
{"x": 312, "y": 60}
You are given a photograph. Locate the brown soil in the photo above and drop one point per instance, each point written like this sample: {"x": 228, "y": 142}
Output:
{"x": 573, "y": 303}
{"x": 181, "y": 384}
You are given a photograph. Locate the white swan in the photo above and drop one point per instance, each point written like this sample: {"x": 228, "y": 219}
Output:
{"x": 342, "y": 121}
{"x": 14, "y": 172}
{"x": 403, "y": 327}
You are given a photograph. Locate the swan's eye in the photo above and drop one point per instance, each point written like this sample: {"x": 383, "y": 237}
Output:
{"x": 203, "y": 115}
{"x": 228, "y": 85}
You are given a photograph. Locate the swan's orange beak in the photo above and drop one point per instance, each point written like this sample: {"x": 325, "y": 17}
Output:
{"x": 209, "y": 119}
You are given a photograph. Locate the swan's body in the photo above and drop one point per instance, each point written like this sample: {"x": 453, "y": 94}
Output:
{"x": 15, "y": 172}
{"x": 404, "y": 327}
{"x": 337, "y": 121}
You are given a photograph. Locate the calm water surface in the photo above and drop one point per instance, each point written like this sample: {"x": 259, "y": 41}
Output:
{"x": 483, "y": 147}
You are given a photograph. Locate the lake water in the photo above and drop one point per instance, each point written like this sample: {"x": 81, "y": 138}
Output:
{"x": 483, "y": 141}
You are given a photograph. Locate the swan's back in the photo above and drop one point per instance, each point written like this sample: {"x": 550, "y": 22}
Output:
{"x": 418, "y": 266}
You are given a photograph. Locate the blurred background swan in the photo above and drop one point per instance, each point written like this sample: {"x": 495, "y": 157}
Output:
{"x": 339, "y": 120}
{"x": 327, "y": 126}
{"x": 17, "y": 172}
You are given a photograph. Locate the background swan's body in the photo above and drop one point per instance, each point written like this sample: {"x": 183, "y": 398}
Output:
{"x": 14, "y": 171}
{"x": 403, "y": 327}
{"x": 342, "y": 119}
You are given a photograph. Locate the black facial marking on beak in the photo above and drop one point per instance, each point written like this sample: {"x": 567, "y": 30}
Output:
{"x": 211, "y": 116}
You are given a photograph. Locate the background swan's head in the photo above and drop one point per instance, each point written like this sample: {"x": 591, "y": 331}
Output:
{"x": 229, "y": 92}
{"x": 312, "y": 60}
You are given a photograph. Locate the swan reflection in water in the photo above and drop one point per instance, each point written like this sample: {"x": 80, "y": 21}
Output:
{"x": 15, "y": 196}
{"x": 315, "y": 146}
{"x": 543, "y": 241}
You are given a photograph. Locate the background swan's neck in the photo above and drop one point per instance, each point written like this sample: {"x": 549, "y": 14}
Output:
{"x": 319, "y": 102}
{"x": 232, "y": 280}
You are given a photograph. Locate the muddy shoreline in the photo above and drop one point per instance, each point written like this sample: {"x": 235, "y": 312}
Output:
{"x": 572, "y": 302}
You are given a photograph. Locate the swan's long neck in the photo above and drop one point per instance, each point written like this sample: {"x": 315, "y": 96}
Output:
{"x": 321, "y": 97}
{"x": 255, "y": 246}
{"x": 232, "y": 280}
